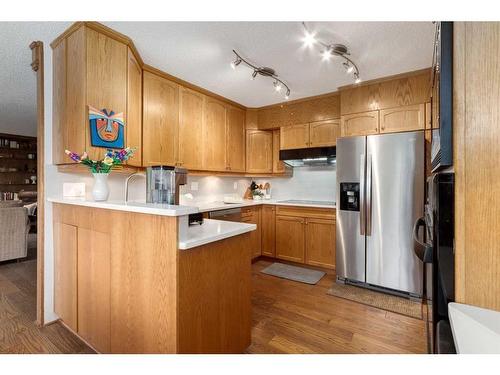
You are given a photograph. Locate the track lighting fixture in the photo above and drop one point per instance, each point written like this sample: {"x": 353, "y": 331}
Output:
{"x": 331, "y": 50}
{"x": 235, "y": 63}
{"x": 263, "y": 71}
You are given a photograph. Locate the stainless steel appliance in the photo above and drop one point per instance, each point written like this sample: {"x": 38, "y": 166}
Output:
{"x": 232, "y": 214}
{"x": 162, "y": 184}
{"x": 442, "y": 97}
{"x": 314, "y": 156}
{"x": 380, "y": 194}
{"x": 436, "y": 251}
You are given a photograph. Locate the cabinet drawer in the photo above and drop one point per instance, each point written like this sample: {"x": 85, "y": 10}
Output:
{"x": 322, "y": 213}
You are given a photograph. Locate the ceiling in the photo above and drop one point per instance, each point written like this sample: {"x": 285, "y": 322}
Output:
{"x": 17, "y": 80}
{"x": 201, "y": 52}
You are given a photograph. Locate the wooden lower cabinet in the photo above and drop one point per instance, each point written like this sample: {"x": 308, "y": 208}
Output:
{"x": 320, "y": 242}
{"x": 290, "y": 244}
{"x": 65, "y": 271}
{"x": 252, "y": 215}
{"x": 94, "y": 288}
{"x": 305, "y": 235}
{"x": 268, "y": 230}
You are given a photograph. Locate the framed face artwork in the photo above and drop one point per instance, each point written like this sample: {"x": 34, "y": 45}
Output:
{"x": 107, "y": 129}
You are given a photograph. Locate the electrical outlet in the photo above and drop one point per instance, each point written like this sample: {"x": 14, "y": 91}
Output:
{"x": 194, "y": 186}
{"x": 235, "y": 186}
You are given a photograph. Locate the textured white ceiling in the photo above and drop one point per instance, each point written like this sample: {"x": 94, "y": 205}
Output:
{"x": 200, "y": 52}
{"x": 17, "y": 80}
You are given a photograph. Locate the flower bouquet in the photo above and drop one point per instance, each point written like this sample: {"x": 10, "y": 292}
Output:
{"x": 101, "y": 168}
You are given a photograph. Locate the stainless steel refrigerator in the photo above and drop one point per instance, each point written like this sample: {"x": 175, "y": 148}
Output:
{"x": 380, "y": 195}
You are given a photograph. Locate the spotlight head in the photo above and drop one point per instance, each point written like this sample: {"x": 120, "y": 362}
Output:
{"x": 357, "y": 79}
{"x": 254, "y": 74}
{"x": 235, "y": 63}
{"x": 326, "y": 54}
{"x": 309, "y": 39}
{"x": 277, "y": 86}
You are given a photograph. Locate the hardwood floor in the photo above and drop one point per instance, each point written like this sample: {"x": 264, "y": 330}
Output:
{"x": 288, "y": 317}
{"x": 291, "y": 317}
{"x": 18, "y": 331}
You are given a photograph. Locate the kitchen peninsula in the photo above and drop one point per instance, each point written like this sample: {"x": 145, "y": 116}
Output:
{"x": 135, "y": 278}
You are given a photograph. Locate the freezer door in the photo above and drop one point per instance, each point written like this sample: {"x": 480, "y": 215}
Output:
{"x": 350, "y": 245}
{"x": 394, "y": 200}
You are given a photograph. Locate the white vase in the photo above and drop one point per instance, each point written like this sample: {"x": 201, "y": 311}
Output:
{"x": 100, "y": 191}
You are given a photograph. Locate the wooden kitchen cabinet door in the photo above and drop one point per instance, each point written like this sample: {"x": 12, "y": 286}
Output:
{"x": 235, "y": 140}
{"x": 133, "y": 127}
{"x": 94, "y": 288}
{"x": 160, "y": 120}
{"x": 324, "y": 133}
{"x": 252, "y": 215}
{"x": 268, "y": 218}
{"x": 360, "y": 124}
{"x": 65, "y": 273}
{"x": 294, "y": 136}
{"x": 214, "y": 136}
{"x": 290, "y": 238}
{"x": 320, "y": 242}
{"x": 402, "y": 119}
{"x": 190, "y": 128}
{"x": 106, "y": 79}
{"x": 278, "y": 165}
{"x": 259, "y": 151}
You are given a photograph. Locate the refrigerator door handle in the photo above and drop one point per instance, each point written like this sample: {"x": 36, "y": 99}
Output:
{"x": 362, "y": 164}
{"x": 369, "y": 196}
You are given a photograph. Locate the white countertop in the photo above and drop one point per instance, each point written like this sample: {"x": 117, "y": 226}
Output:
{"x": 475, "y": 330}
{"x": 215, "y": 206}
{"x": 210, "y": 231}
{"x": 140, "y": 207}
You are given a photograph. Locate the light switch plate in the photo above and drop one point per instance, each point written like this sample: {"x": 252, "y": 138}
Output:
{"x": 194, "y": 186}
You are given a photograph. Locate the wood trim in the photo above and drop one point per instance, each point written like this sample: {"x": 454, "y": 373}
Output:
{"x": 387, "y": 78}
{"x": 151, "y": 69}
{"x": 459, "y": 53}
{"x": 66, "y": 33}
{"x": 37, "y": 66}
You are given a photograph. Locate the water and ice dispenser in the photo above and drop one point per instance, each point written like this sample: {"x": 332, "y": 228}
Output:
{"x": 349, "y": 196}
{"x": 163, "y": 182}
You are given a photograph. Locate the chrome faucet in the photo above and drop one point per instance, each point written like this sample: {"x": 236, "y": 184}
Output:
{"x": 128, "y": 180}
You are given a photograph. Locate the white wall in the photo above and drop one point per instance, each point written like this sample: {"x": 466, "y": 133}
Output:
{"x": 309, "y": 183}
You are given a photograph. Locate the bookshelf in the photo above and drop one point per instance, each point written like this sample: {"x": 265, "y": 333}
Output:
{"x": 18, "y": 163}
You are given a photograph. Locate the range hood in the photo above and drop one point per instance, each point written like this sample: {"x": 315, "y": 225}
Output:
{"x": 316, "y": 156}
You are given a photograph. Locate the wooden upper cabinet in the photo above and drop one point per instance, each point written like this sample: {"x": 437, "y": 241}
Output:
{"x": 320, "y": 242}
{"x": 190, "y": 128}
{"x": 278, "y": 165}
{"x": 402, "y": 119}
{"x": 290, "y": 241}
{"x": 360, "y": 124}
{"x": 106, "y": 79}
{"x": 324, "y": 133}
{"x": 294, "y": 136}
{"x": 268, "y": 232}
{"x": 259, "y": 151}
{"x": 133, "y": 127}
{"x": 160, "y": 120}
{"x": 235, "y": 139}
{"x": 70, "y": 121}
{"x": 60, "y": 138}
{"x": 214, "y": 135}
